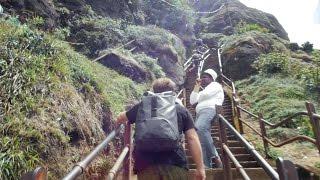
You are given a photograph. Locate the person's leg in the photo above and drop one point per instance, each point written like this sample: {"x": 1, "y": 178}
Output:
{"x": 217, "y": 162}
{"x": 203, "y": 125}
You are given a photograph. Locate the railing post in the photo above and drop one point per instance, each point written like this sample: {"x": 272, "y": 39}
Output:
{"x": 184, "y": 97}
{"x": 315, "y": 123}
{"x": 286, "y": 170}
{"x": 128, "y": 143}
{"x": 264, "y": 136}
{"x": 238, "y": 116}
{"x": 223, "y": 140}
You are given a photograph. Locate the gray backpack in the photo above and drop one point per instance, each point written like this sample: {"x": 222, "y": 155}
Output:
{"x": 156, "y": 123}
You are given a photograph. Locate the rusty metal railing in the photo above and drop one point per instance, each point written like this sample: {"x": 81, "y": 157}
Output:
{"x": 238, "y": 121}
{"x": 80, "y": 167}
{"x": 223, "y": 125}
{"x": 285, "y": 168}
{"x": 314, "y": 120}
{"x": 204, "y": 56}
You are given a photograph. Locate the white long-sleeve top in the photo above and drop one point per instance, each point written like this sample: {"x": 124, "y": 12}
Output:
{"x": 209, "y": 97}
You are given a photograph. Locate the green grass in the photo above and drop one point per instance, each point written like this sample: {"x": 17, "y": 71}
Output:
{"x": 243, "y": 27}
{"x": 49, "y": 91}
{"x": 277, "y": 97}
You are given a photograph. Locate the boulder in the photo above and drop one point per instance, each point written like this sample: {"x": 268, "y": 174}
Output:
{"x": 241, "y": 51}
{"x": 126, "y": 66}
{"x": 160, "y": 44}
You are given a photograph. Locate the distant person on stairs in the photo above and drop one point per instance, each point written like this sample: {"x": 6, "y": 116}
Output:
{"x": 210, "y": 96}
{"x": 153, "y": 164}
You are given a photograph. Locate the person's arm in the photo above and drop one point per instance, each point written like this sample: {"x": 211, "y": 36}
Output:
{"x": 196, "y": 153}
{"x": 194, "y": 97}
{"x": 121, "y": 119}
{"x": 212, "y": 90}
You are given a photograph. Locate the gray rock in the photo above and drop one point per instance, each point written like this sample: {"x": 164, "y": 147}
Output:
{"x": 227, "y": 16}
{"x": 126, "y": 66}
{"x": 240, "y": 52}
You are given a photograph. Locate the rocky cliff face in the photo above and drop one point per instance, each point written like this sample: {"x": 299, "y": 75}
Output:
{"x": 239, "y": 52}
{"x": 220, "y": 29}
{"x": 227, "y": 14}
{"x": 48, "y": 9}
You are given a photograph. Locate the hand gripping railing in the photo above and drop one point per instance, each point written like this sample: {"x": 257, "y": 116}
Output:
{"x": 80, "y": 167}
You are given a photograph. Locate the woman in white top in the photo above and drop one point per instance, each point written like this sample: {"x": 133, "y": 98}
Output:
{"x": 210, "y": 96}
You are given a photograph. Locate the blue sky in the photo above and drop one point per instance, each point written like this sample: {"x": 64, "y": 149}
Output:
{"x": 298, "y": 17}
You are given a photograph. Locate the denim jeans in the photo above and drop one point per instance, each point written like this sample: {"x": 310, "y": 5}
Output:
{"x": 203, "y": 125}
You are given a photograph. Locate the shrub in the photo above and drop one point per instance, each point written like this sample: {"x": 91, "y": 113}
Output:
{"x": 272, "y": 63}
{"x": 307, "y": 47}
{"x": 294, "y": 46}
{"x": 243, "y": 27}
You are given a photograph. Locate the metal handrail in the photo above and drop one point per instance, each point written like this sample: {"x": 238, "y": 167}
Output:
{"x": 113, "y": 171}
{"x": 286, "y": 120}
{"x": 204, "y": 56}
{"x": 219, "y": 58}
{"x": 232, "y": 86}
{"x": 180, "y": 92}
{"x": 296, "y": 138}
{"x": 314, "y": 119}
{"x": 264, "y": 164}
{"x": 316, "y": 116}
{"x": 200, "y": 67}
{"x": 79, "y": 168}
{"x": 236, "y": 162}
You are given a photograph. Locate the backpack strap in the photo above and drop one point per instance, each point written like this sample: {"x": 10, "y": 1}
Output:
{"x": 153, "y": 106}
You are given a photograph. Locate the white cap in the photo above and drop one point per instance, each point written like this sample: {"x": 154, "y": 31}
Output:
{"x": 212, "y": 73}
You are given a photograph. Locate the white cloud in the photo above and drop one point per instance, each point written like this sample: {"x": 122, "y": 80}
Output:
{"x": 296, "y": 17}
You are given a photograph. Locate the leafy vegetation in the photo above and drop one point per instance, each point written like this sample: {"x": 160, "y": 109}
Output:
{"x": 243, "y": 27}
{"x": 51, "y": 97}
{"x": 253, "y": 38}
{"x": 307, "y": 47}
{"x": 272, "y": 63}
{"x": 294, "y": 46}
{"x": 281, "y": 89}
